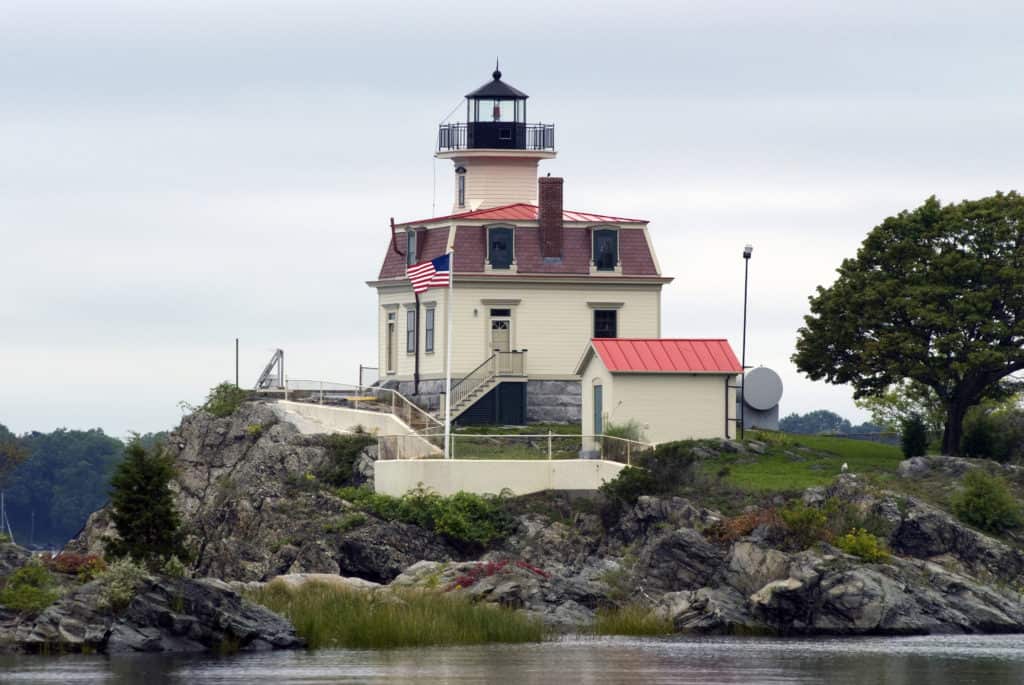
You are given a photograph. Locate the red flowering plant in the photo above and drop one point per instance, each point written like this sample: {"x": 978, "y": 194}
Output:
{"x": 85, "y": 566}
{"x": 486, "y": 569}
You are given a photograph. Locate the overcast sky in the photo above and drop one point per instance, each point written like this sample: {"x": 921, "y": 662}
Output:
{"x": 176, "y": 174}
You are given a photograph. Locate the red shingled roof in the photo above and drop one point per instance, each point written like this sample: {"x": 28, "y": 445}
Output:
{"x": 522, "y": 211}
{"x": 667, "y": 355}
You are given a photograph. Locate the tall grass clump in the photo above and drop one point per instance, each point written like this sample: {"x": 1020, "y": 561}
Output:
{"x": 329, "y": 616}
{"x": 631, "y": 619}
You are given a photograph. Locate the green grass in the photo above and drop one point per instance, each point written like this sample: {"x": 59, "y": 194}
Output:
{"x": 531, "y": 429}
{"x": 630, "y": 620}
{"x": 328, "y": 616}
{"x": 818, "y": 464}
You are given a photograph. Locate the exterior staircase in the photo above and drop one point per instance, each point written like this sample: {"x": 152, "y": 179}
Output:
{"x": 498, "y": 368}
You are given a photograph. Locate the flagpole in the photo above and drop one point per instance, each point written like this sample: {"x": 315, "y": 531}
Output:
{"x": 448, "y": 375}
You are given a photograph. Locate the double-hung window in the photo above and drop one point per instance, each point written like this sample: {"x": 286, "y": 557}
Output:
{"x": 500, "y": 247}
{"x": 410, "y": 247}
{"x": 429, "y": 330}
{"x": 606, "y": 249}
{"x": 410, "y": 330}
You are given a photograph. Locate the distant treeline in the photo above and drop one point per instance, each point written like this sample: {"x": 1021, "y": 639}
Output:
{"x": 824, "y": 421}
{"x": 64, "y": 477}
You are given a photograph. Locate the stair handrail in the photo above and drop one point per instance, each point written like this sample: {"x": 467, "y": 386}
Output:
{"x": 473, "y": 380}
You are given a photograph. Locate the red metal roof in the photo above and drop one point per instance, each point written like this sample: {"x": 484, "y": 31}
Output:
{"x": 667, "y": 355}
{"x": 522, "y": 211}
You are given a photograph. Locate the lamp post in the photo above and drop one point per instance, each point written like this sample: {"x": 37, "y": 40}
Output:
{"x": 747, "y": 251}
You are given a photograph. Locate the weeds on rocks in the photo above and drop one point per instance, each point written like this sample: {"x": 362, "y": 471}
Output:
{"x": 30, "y": 589}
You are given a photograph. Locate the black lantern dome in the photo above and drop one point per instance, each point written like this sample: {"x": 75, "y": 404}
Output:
{"x": 496, "y": 120}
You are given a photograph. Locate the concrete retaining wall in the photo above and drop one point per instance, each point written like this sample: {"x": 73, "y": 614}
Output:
{"x": 328, "y": 419}
{"x": 522, "y": 477}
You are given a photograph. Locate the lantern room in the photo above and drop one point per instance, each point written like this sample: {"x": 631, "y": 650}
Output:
{"x": 496, "y": 120}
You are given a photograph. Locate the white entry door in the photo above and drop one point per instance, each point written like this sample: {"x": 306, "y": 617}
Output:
{"x": 501, "y": 331}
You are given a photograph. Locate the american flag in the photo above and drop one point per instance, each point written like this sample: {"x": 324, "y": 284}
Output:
{"x": 435, "y": 273}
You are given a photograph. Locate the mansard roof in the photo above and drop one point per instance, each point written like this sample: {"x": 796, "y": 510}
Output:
{"x": 635, "y": 255}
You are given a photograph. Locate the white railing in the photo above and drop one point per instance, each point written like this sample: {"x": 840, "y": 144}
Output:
{"x": 512, "y": 446}
{"x": 499, "y": 364}
{"x": 360, "y": 397}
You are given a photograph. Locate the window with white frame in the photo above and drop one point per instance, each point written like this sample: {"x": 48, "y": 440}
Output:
{"x": 410, "y": 330}
{"x": 429, "y": 330}
{"x": 500, "y": 247}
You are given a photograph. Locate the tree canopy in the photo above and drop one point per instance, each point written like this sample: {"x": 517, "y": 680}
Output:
{"x": 143, "y": 510}
{"x": 934, "y": 295}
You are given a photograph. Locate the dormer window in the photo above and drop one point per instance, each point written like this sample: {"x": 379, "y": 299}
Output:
{"x": 410, "y": 247}
{"x": 606, "y": 249}
{"x": 500, "y": 248}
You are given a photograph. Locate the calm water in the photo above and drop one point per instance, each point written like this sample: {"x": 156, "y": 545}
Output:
{"x": 888, "y": 661}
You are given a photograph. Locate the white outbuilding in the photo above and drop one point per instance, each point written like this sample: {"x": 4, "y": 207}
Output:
{"x": 676, "y": 389}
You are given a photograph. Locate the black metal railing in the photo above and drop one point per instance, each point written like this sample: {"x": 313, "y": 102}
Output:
{"x": 461, "y": 136}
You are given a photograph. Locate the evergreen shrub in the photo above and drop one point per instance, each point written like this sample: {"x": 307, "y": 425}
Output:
{"x": 987, "y": 503}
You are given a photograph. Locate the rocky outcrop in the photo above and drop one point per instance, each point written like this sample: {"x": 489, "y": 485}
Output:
{"x": 164, "y": 614}
{"x": 252, "y": 508}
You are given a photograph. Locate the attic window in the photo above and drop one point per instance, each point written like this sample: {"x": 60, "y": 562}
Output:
{"x": 410, "y": 247}
{"x": 500, "y": 247}
{"x": 606, "y": 249}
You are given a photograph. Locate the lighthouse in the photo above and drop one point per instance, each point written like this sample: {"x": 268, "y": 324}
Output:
{"x": 534, "y": 282}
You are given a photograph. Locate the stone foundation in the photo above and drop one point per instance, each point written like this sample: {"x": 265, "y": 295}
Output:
{"x": 553, "y": 401}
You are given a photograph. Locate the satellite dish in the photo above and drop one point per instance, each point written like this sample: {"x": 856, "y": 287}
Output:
{"x": 762, "y": 388}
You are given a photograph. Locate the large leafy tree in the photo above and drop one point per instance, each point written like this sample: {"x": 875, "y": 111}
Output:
{"x": 934, "y": 295}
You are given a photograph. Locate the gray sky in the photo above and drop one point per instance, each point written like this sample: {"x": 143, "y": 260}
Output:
{"x": 176, "y": 174}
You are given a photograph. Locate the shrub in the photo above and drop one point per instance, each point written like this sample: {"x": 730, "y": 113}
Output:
{"x": 30, "y": 589}
{"x": 147, "y": 522}
{"x": 986, "y": 502}
{"x": 254, "y": 430}
{"x": 85, "y": 566}
{"x": 119, "y": 584}
{"x": 342, "y": 452}
{"x": 224, "y": 399}
{"x": 658, "y": 472}
{"x": 4, "y": 538}
{"x": 979, "y": 439}
{"x": 863, "y": 544}
{"x": 914, "y": 436}
{"x": 174, "y": 567}
{"x": 329, "y": 616}
{"x": 474, "y": 520}
{"x": 804, "y": 525}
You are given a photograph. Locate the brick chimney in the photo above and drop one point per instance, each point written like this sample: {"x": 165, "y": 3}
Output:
{"x": 549, "y": 216}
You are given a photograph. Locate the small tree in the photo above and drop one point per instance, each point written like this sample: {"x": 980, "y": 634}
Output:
{"x": 914, "y": 436}
{"x": 986, "y": 502}
{"x": 143, "y": 508}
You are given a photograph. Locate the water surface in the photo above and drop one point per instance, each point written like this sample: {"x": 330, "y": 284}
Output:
{"x": 992, "y": 660}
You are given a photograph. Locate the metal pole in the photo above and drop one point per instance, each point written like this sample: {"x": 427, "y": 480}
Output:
{"x": 448, "y": 375}
{"x": 743, "y": 354}
{"x": 236, "y": 362}
{"x": 549, "y": 445}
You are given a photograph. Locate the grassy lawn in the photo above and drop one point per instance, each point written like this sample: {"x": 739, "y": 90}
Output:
{"x": 508, "y": 446}
{"x": 796, "y": 462}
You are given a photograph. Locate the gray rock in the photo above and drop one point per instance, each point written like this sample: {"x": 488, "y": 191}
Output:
{"x": 166, "y": 615}
{"x": 708, "y": 611}
{"x": 750, "y": 567}
{"x": 678, "y": 560}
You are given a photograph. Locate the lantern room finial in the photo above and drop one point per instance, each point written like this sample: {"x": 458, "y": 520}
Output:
{"x": 497, "y": 70}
